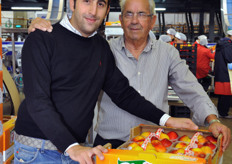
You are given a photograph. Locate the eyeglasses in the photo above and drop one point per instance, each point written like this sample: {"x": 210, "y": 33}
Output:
{"x": 140, "y": 15}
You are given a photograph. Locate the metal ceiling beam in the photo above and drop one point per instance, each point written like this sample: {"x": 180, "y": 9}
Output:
{"x": 219, "y": 22}
{"x": 187, "y": 22}
{"x": 211, "y": 25}
{"x": 201, "y": 23}
{"x": 191, "y": 5}
{"x": 170, "y": 5}
{"x": 160, "y": 24}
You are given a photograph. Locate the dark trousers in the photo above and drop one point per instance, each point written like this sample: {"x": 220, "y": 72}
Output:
{"x": 205, "y": 82}
{"x": 101, "y": 141}
{"x": 224, "y": 104}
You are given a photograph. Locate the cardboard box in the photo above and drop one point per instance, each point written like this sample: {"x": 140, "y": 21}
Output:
{"x": 0, "y": 45}
{"x": 9, "y": 160}
{"x": 144, "y": 157}
{"x": 1, "y": 79}
{"x": 8, "y": 137}
{"x": 1, "y": 126}
{"x": 117, "y": 156}
{"x": 1, "y": 113}
{"x": 0, "y": 52}
{"x": 1, "y": 149}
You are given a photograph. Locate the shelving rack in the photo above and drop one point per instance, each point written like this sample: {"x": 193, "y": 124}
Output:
{"x": 12, "y": 32}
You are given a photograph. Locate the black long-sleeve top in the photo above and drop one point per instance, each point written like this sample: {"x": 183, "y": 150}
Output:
{"x": 63, "y": 74}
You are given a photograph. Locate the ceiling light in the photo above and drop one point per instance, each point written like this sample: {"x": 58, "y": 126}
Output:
{"x": 26, "y": 8}
{"x": 160, "y": 9}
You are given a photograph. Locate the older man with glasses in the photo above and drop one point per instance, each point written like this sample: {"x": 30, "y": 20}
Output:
{"x": 151, "y": 66}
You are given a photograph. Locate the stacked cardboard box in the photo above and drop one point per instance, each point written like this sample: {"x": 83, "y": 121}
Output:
{"x": 1, "y": 99}
{"x": 9, "y": 160}
{"x": 1, "y": 136}
{"x": 1, "y": 149}
{"x": 123, "y": 155}
{"x": 8, "y": 137}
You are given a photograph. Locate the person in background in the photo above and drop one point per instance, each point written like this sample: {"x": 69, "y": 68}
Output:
{"x": 204, "y": 55}
{"x": 216, "y": 39}
{"x": 64, "y": 72}
{"x": 165, "y": 38}
{"x": 171, "y": 32}
{"x": 180, "y": 38}
{"x": 150, "y": 65}
{"x": 223, "y": 56}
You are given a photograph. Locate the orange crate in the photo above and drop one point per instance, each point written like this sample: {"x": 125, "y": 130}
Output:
{"x": 1, "y": 80}
{"x": 1, "y": 149}
{"x": 8, "y": 137}
{"x": 129, "y": 156}
{"x": 9, "y": 160}
{"x": 1, "y": 117}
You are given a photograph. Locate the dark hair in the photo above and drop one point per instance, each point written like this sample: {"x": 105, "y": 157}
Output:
{"x": 216, "y": 39}
{"x": 107, "y": 4}
{"x": 75, "y": 4}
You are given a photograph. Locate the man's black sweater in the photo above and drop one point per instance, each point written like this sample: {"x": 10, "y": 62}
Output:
{"x": 63, "y": 74}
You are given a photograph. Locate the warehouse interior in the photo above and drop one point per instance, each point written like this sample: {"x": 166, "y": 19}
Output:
{"x": 190, "y": 17}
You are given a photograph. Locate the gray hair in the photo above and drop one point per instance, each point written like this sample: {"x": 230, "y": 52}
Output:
{"x": 151, "y": 5}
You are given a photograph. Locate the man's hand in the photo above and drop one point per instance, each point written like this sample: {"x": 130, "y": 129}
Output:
{"x": 41, "y": 24}
{"x": 183, "y": 123}
{"x": 216, "y": 128}
{"x": 84, "y": 154}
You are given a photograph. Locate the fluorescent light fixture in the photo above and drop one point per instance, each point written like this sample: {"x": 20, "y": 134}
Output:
{"x": 160, "y": 9}
{"x": 26, "y": 8}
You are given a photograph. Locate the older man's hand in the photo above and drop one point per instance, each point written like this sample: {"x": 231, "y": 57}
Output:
{"x": 216, "y": 128}
{"x": 41, "y": 24}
